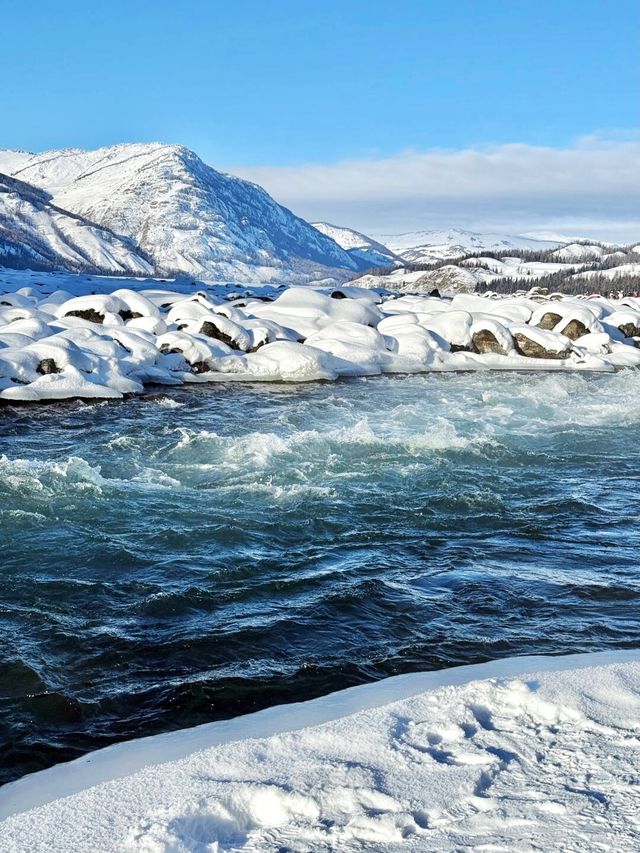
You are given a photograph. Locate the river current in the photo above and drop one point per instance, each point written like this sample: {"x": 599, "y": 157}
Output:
{"x": 197, "y": 553}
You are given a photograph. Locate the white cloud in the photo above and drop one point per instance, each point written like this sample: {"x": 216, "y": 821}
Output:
{"x": 591, "y": 187}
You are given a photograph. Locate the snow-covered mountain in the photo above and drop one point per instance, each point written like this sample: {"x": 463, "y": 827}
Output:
{"x": 424, "y": 246}
{"x": 183, "y": 214}
{"x": 34, "y": 232}
{"x": 364, "y": 248}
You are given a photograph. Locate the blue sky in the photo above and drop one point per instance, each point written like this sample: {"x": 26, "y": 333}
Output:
{"x": 251, "y": 84}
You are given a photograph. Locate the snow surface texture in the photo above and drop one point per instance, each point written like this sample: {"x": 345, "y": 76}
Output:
{"x": 57, "y": 345}
{"x": 523, "y": 754}
{"x": 424, "y": 246}
{"x": 183, "y": 215}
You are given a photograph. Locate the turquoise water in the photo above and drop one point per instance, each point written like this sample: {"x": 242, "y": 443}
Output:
{"x": 200, "y": 553}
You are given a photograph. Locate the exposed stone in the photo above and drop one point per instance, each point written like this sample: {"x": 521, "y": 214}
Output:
{"x": 549, "y": 320}
{"x": 200, "y": 367}
{"x": 48, "y": 365}
{"x": 212, "y": 331}
{"x": 575, "y": 329}
{"x": 450, "y": 279}
{"x": 484, "y": 341}
{"x": 338, "y": 294}
{"x": 89, "y": 314}
{"x": 126, "y": 314}
{"x": 629, "y": 330}
{"x": 532, "y": 349}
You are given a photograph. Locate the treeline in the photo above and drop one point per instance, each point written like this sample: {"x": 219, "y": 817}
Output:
{"x": 617, "y": 257}
{"x": 564, "y": 281}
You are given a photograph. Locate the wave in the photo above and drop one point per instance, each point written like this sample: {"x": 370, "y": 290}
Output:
{"x": 43, "y": 478}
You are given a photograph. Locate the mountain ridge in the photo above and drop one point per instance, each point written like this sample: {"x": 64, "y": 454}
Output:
{"x": 188, "y": 217}
{"x": 36, "y": 232}
{"x": 451, "y": 243}
{"x": 358, "y": 244}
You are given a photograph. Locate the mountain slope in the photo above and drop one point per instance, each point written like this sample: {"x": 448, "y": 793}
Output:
{"x": 36, "y": 233}
{"x": 424, "y": 246}
{"x": 358, "y": 245}
{"x": 188, "y": 217}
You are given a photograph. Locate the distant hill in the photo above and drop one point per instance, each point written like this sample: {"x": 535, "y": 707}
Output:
{"x": 424, "y": 246}
{"x": 361, "y": 247}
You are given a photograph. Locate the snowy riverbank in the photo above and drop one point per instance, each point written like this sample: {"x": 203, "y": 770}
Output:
{"x": 525, "y": 753}
{"x": 57, "y": 344}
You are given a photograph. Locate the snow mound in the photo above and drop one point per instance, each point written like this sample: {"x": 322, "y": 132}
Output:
{"x": 69, "y": 343}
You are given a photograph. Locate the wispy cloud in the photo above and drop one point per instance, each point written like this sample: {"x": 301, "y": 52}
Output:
{"x": 590, "y": 187}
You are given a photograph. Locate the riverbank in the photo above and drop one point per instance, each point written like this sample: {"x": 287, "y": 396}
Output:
{"x": 525, "y": 752}
{"x": 61, "y": 345}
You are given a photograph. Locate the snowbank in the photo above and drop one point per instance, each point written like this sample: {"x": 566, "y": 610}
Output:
{"x": 524, "y": 753}
{"x": 58, "y": 344}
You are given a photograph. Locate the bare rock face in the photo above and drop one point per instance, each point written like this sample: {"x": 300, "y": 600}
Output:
{"x": 212, "y": 331}
{"x": 532, "y": 349}
{"x": 549, "y": 320}
{"x": 48, "y": 365}
{"x": 89, "y": 314}
{"x": 484, "y": 341}
{"x": 450, "y": 278}
{"x": 575, "y": 329}
{"x": 126, "y": 314}
{"x": 630, "y": 330}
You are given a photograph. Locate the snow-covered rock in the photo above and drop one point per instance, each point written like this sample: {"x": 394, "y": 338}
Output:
{"x": 533, "y": 342}
{"x": 64, "y": 343}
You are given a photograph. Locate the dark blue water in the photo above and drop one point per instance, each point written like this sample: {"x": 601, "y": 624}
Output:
{"x": 185, "y": 557}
